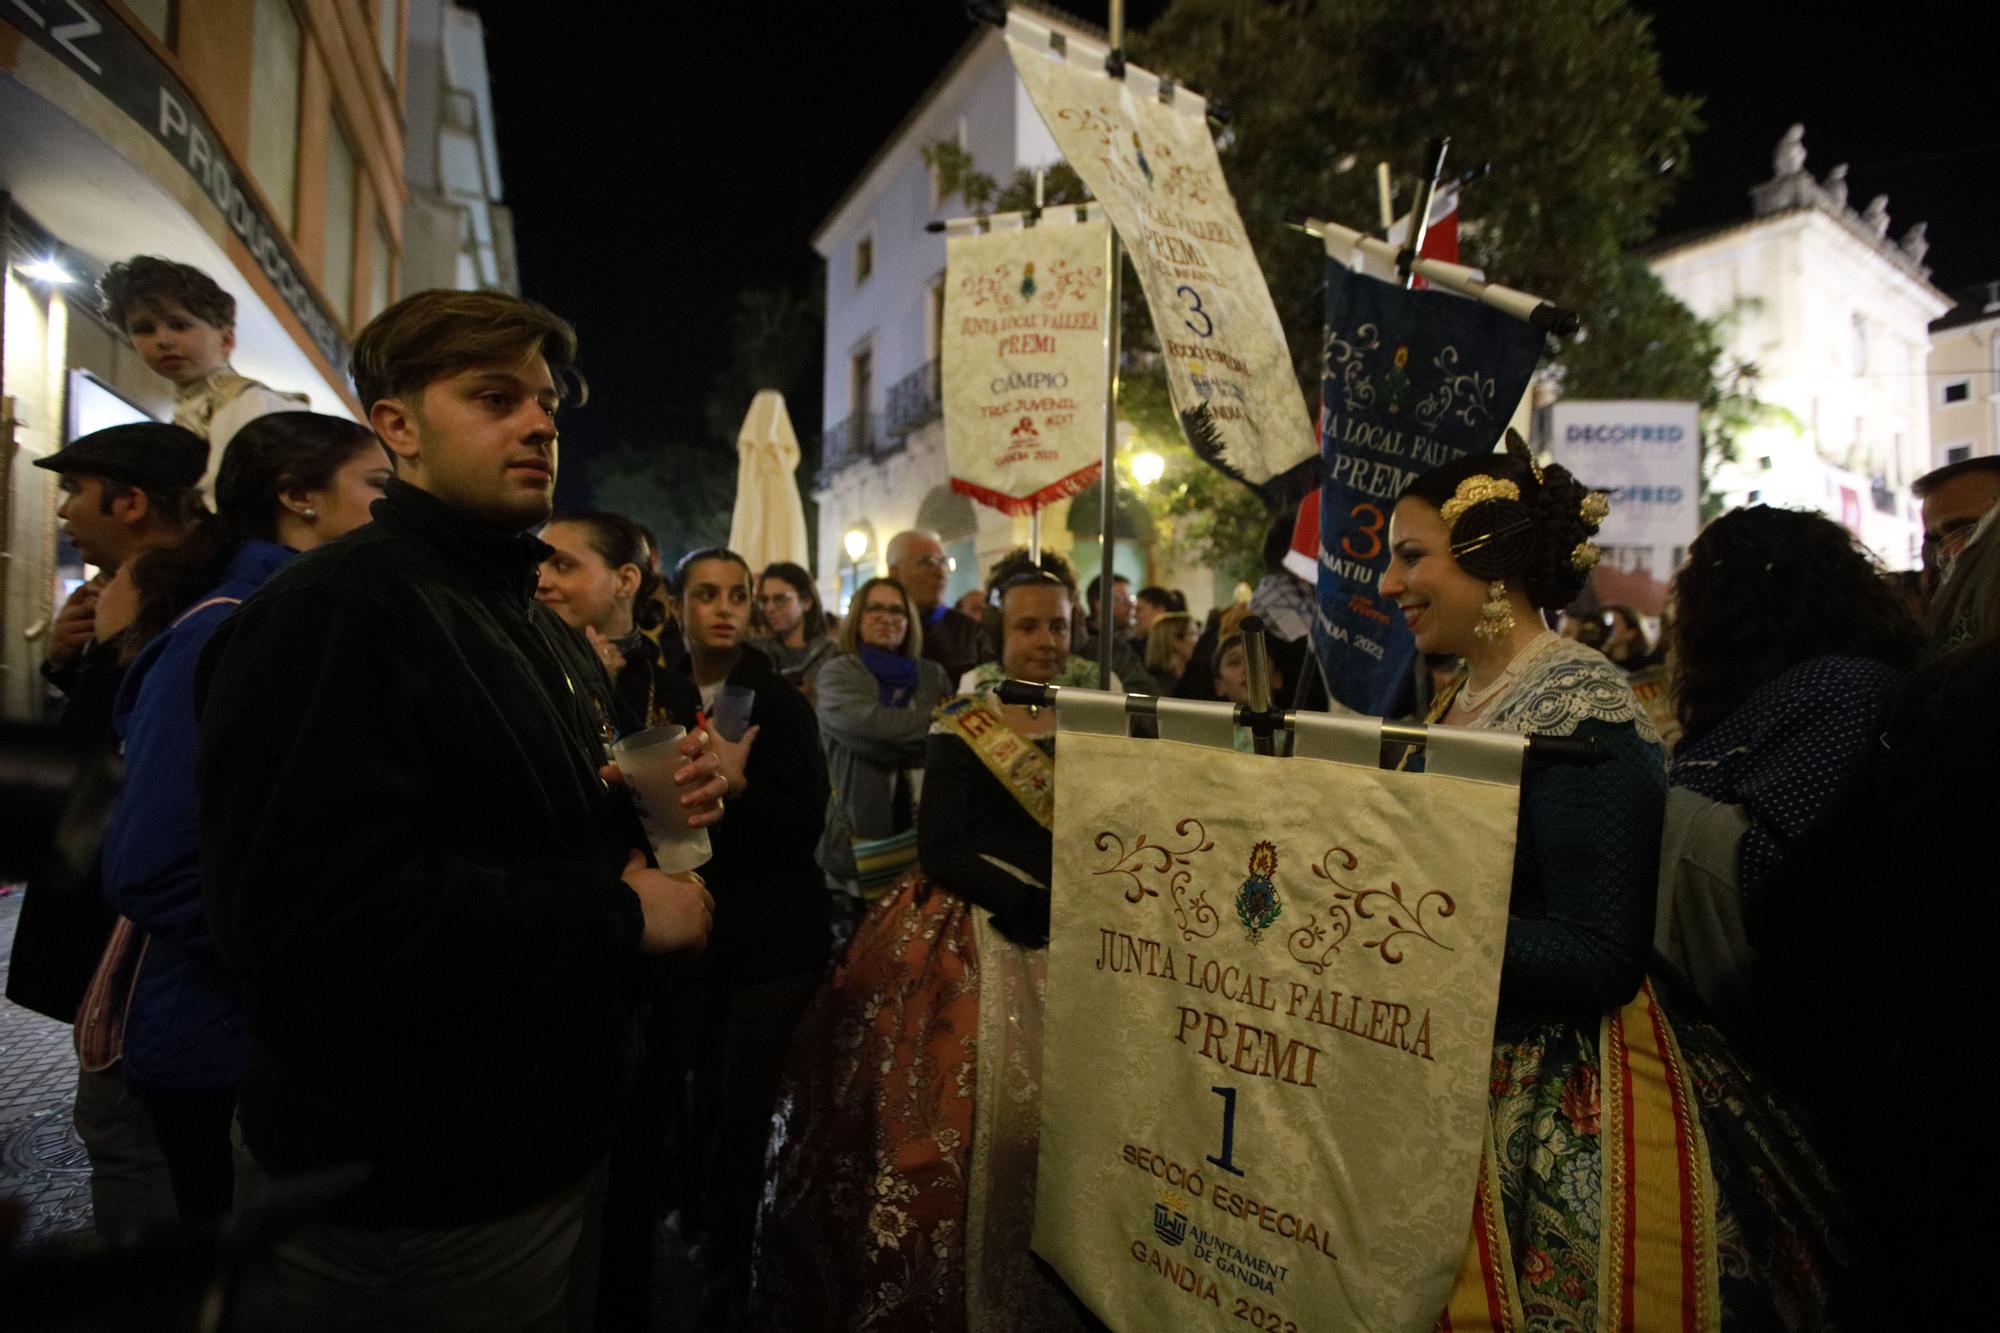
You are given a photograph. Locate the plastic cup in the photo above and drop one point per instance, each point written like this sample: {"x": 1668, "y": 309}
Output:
{"x": 730, "y": 713}
{"x": 649, "y": 759}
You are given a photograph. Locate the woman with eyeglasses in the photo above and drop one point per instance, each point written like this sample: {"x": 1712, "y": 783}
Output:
{"x": 875, "y": 698}
{"x": 796, "y": 637}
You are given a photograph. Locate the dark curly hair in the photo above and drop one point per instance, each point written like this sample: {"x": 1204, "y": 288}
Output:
{"x": 148, "y": 280}
{"x": 1764, "y": 589}
{"x": 1533, "y": 540}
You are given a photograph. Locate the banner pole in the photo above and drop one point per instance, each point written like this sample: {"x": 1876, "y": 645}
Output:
{"x": 1420, "y": 218}
{"x": 1107, "y": 481}
{"x": 1035, "y": 536}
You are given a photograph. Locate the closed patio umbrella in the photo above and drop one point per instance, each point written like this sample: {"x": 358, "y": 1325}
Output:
{"x": 770, "y": 521}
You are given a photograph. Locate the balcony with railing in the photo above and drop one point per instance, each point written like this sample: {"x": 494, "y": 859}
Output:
{"x": 915, "y": 400}
{"x": 853, "y": 440}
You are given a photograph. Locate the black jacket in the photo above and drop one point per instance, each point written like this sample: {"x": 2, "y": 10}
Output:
{"x": 411, "y": 862}
{"x": 771, "y": 908}
{"x": 65, "y": 922}
{"x": 967, "y": 811}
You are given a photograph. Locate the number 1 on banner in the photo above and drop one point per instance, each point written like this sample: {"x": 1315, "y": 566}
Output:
{"x": 1228, "y": 1159}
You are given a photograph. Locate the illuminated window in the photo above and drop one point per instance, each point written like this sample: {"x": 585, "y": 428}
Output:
{"x": 157, "y": 16}
{"x": 274, "y": 91}
{"x": 338, "y": 278}
{"x": 864, "y": 258}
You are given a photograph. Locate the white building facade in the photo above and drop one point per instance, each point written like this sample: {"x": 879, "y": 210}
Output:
{"x": 456, "y": 232}
{"x": 883, "y": 466}
{"x": 882, "y": 462}
{"x": 1965, "y": 377}
{"x": 1836, "y": 316}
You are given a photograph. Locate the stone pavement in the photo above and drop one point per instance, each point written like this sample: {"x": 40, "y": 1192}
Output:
{"x": 42, "y": 1162}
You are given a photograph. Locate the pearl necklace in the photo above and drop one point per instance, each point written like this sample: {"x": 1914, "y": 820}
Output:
{"x": 1473, "y": 701}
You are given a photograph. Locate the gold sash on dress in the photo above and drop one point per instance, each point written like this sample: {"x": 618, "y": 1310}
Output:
{"x": 1028, "y": 775}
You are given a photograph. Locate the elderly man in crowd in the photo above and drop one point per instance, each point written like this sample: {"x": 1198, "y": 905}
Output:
{"x": 951, "y": 638}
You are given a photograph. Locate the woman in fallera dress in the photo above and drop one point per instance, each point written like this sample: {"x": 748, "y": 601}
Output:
{"x": 901, "y": 1177}
{"x": 1639, "y": 1174}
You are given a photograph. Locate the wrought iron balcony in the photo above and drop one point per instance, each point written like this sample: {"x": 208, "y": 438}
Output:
{"x": 915, "y": 400}
{"x": 848, "y": 442}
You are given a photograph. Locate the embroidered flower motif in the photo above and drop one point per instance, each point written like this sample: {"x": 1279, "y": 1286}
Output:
{"x": 1536, "y": 1265}
{"x": 1580, "y": 1100}
{"x": 1582, "y": 1188}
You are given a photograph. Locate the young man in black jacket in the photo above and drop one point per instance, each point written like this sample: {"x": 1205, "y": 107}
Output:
{"x": 414, "y": 860}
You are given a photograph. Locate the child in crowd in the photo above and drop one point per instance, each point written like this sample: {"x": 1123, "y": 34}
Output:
{"x": 184, "y": 326}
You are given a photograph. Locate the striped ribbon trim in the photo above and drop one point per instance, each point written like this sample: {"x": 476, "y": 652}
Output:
{"x": 1656, "y": 1255}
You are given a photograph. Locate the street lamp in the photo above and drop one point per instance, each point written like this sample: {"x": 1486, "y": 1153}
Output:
{"x": 1148, "y": 467}
{"x": 48, "y": 270}
{"x": 855, "y": 543}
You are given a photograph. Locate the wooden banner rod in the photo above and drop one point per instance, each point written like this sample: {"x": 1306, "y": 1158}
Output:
{"x": 1544, "y": 315}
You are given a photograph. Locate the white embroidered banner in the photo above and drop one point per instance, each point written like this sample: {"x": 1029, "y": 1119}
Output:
{"x": 1154, "y": 168}
{"x": 1271, "y": 994}
{"x": 1024, "y": 361}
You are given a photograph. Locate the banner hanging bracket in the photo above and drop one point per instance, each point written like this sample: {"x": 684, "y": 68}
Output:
{"x": 1583, "y": 750}
{"x": 1545, "y": 316}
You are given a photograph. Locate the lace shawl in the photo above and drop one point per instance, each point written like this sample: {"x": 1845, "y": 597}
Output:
{"x": 1570, "y": 684}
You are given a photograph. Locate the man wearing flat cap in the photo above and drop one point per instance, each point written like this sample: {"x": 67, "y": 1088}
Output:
{"x": 127, "y": 489}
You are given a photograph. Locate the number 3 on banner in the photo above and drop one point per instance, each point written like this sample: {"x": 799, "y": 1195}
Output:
{"x": 1228, "y": 1159}
{"x": 1195, "y": 312}
{"x": 1371, "y": 528}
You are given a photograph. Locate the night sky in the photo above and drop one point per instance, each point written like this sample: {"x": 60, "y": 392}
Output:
{"x": 655, "y": 167}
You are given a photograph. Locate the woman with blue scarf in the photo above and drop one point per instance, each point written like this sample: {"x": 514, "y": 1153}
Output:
{"x": 875, "y": 701}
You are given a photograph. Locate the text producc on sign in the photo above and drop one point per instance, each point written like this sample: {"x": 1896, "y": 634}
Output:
{"x": 98, "y": 45}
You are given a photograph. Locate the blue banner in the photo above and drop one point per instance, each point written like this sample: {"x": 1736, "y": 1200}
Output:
{"x": 1410, "y": 381}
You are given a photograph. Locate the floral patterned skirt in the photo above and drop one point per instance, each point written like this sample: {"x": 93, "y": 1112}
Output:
{"x": 863, "y": 1218}
{"x": 1780, "y": 1228}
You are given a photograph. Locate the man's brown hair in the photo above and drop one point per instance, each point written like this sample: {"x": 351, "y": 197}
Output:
{"x": 433, "y": 335}
{"x": 148, "y": 280}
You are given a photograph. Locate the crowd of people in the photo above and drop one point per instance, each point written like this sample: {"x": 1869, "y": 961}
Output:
{"x": 378, "y": 919}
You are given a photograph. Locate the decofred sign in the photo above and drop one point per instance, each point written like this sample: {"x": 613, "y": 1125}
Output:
{"x": 1646, "y": 454}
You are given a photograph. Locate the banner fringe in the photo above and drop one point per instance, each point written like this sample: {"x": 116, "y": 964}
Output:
{"x": 1018, "y": 505}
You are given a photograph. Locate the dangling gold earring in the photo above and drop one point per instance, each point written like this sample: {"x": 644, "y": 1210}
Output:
{"x": 1496, "y": 617}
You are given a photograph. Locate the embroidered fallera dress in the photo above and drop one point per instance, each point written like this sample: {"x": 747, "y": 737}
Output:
{"x": 900, "y": 1181}
{"x": 1639, "y": 1174}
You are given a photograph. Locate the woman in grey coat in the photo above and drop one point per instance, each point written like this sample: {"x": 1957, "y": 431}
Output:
{"x": 874, "y": 702}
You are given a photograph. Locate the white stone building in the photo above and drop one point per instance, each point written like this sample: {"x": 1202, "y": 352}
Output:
{"x": 1964, "y": 382}
{"x": 883, "y": 466}
{"x": 456, "y": 232}
{"x": 1836, "y": 316}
